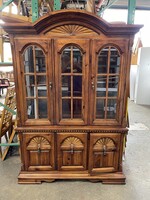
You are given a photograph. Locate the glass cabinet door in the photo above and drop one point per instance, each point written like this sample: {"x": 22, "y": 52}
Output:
{"x": 35, "y": 79}
{"x": 71, "y": 92}
{"x": 71, "y": 83}
{"x": 107, "y": 78}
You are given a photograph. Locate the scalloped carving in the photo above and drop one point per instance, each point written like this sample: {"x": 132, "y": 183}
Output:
{"x": 38, "y": 143}
{"x": 72, "y": 141}
{"x": 104, "y": 142}
{"x": 71, "y": 30}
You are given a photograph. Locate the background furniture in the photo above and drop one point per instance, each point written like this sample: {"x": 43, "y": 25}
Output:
{"x": 6, "y": 121}
{"x": 4, "y": 83}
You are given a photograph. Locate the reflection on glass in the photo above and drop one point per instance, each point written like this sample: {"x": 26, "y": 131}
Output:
{"x": 111, "y": 109}
{"x": 77, "y": 86}
{"x": 66, "y": 60}
{"x": 30, "y": 91}
{"x": 77, "y": 108}
{"x": 30, "y": 85}
{"x": 29, "y": 80}
{"x": 100, "y": 108}
{"x": 40, "y": 60}
{"x": 41, "y": 80}
{"x": 101, "y": 86}
{"x": 71, "y": 82}
{"x": 42, "y": 91}
{"x": 103, "y": 61}
{"x": 28, "y": 60}
{"x": 66, "y": 108}
{"x": 113, "y": 86}
{"x": 66, "y": 86}
{"x": 35, "y": 82}
{"x": 77, "y": 60}
{"x": 34, "y": 54}
{"x": 31, "y": 108}
{"x": 42, "y": 107}
{"x": 114, "y": 61}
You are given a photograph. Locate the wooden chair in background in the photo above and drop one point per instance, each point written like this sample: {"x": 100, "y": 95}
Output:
{"x": 6, "y": 121}
{"x": 4, "y": 83}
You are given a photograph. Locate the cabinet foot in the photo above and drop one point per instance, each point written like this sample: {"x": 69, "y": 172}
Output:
{"x": 94, "y": 180}
{"x": 39, "y": 177}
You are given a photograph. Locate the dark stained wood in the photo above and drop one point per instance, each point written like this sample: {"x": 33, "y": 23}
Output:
{"x": 90, "y": 143}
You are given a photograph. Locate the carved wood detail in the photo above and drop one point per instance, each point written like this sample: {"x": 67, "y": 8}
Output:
{"x": 104, "y": 143}
{"x": 71, "y": 131}
{"x": 38, "y": 143}
{"x": 71, "y": 30}
{"x": 76, "y": 142}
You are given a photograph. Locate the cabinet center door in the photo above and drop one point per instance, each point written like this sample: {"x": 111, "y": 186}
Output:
{"x": 71, "y": 77}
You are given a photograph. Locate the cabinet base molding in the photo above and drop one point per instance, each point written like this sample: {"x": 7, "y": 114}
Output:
{"x": 39, "y": 177}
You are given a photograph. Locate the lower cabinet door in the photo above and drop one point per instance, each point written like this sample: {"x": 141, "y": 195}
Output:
{"x": 72, "y": 151}
{"x": 104, "y": 152}
{"x": 39, "y": 151}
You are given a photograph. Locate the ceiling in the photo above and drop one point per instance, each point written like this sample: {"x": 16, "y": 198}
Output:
{"x": 140, "y": 4}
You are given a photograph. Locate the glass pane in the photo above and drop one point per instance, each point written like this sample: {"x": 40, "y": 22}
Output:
{"x": 30, "y": 91}
{"x": 113, "y": 86}
{"x": 77, "y": 86}
{"x": 77, "y": 108}
{"x": 114, "y": 61}
{"x": 111, "y": 109}
{"x": 66, "y": 86}
{"x": 103, "y": 61}
{"x": 28, "y": 60}
{"x": 29, "y": 80}
{"x": 40, "y": 60}
{"x": 42, "y": 107}
{"x": 42, "y": 91}
{"x": 66, "y": 60}
{"x": 31, "y": 108}
{"x": 66, "y": 108}
{"x": 100, "y": 108}
{"x": 101, "y": 86}
{"x": 77, "y": 60}
{"x": 41, "y": 80}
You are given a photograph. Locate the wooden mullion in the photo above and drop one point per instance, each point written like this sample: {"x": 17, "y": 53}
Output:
{"x": 107, "y": 83}
{"x": 35, "y": 76}
{"x": 71, "y": 82}
{"x": 66, "y": 97}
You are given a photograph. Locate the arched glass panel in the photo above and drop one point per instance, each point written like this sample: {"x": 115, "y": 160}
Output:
{"x": 71, "y": 82}
{"x": 35, "y": 82}
{"x": 108, "y": 69}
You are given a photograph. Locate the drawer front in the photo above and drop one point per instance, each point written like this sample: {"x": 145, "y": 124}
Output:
{"x": 104, "y": 152}
{"x": 72, "y": 151}
{"x": 39, "y": 151}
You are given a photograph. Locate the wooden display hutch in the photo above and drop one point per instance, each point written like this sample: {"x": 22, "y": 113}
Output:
{"x": 72, "y": 76}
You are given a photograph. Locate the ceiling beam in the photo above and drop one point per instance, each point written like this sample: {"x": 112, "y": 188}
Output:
{"x": 131, "y": 11}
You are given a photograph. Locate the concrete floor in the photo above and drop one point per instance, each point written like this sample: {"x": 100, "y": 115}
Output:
{"x": 136, "y": 169}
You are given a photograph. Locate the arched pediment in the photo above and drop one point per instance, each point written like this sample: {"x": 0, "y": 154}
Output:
{"x": 53, "y": 21}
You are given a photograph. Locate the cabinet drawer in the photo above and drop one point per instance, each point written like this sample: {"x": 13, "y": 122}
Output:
{"x": 104, "y": 152}
{"x": 72, "y": 151}
{"x": 39, "y": 151}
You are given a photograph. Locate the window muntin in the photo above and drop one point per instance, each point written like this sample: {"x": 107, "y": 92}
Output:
{"x": 71, "y": 83}
{"x": 107, "y": 83}
{"x": 35, "y": 82}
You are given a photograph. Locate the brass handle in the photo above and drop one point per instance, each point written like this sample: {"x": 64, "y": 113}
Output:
{"x": 71, "y": 146}
{"x": 39, "y": 148}
{"x": 104, "y": 150}
{"x": 93, "y": 86}
{"x": 50, "y": 85}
